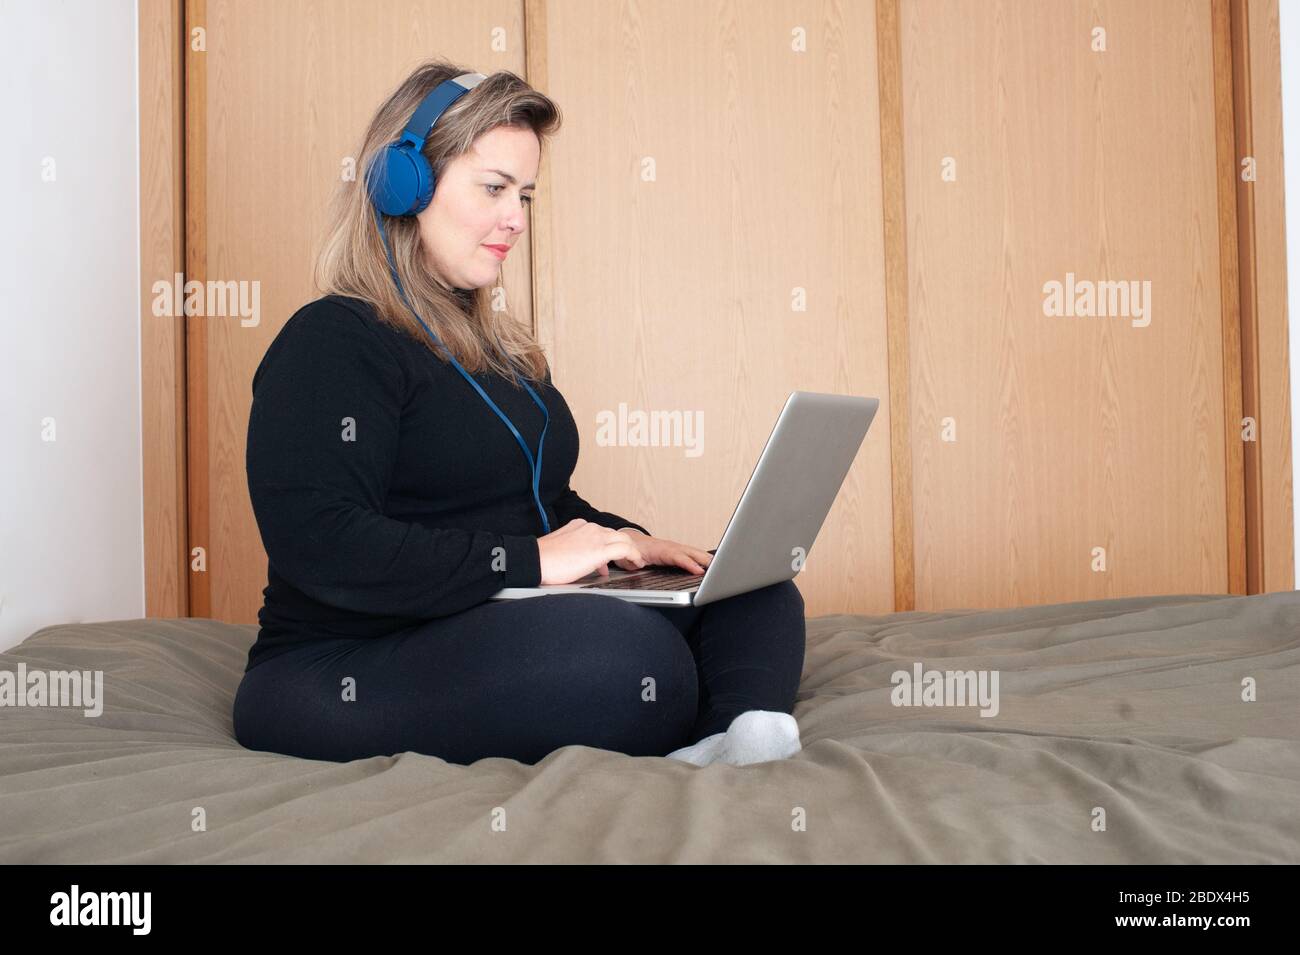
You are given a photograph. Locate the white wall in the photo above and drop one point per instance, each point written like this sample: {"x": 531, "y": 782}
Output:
{"x": 71, "y": 521}
{"x": 1289, "y": 17}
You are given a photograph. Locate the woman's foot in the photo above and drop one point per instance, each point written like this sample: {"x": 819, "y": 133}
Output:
{"x": 701, "y": 753}
{"x": 755, "y": 736}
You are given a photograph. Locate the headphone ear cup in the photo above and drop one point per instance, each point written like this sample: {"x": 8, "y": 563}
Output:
{"x": 399, "y": 180}
{"x": 425, "y": 194}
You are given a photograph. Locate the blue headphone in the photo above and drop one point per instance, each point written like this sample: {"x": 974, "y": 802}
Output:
{"x": 400, "y": 182}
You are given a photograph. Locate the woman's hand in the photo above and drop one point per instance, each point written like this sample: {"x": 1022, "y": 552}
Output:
{"x": 669, "y": 553}
{"x": 580, "y": 547}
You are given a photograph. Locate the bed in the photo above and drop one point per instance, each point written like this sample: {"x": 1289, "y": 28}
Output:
{"x": 1121, "y": 736}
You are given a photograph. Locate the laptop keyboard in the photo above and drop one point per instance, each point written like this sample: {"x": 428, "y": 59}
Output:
{"x": 671, "y": 579}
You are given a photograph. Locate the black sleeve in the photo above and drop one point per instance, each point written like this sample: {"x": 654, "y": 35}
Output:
{"x": 318, "y": 499}
{"x": 568, "y": 506}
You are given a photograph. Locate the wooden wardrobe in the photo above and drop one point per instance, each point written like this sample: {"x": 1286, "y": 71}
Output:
{"x": 746, "y": 199}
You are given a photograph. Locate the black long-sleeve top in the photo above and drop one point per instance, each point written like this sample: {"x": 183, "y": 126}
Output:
{"x": 383, "y": 484}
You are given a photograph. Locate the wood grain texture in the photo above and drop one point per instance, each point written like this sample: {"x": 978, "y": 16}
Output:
{"x": 541, "y": 243}
{"x": 1243, "y": 464}
{"x": 894, "y": 215}
{"x": 162, "y": 338}
{"x": 1071, "y": 436}
{"x": 198, "y": 404}
{"x": 1272, "y": 480}
{"x": 1238, "y": 340}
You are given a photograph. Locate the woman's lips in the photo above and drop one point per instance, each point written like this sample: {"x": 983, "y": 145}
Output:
{"x": 499, "y": 251}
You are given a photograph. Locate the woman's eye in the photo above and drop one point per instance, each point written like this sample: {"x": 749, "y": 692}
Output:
{"x": 490, "y": 186}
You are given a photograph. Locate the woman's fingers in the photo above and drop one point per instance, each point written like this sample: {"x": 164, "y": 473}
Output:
{"x": 699, "y": 559}
{"x": 626, "y": 550}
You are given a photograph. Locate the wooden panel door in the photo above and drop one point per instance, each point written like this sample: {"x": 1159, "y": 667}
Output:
{"x": 1064, "y": 457}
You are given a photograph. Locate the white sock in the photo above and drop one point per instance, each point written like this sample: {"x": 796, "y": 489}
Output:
{"x": 755, "y": 736}
{"x": 701, "y": 753}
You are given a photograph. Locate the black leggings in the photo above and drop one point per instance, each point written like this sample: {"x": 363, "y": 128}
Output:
{"x": 521, "y": 678}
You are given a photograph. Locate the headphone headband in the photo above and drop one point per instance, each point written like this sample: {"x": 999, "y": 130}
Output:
{"x": 433, "y": 105}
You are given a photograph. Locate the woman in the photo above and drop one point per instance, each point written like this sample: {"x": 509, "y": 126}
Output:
{"x": 393, "y": 498}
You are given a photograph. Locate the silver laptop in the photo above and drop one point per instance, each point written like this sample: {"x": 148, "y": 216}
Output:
{"x": 771, "y": 531}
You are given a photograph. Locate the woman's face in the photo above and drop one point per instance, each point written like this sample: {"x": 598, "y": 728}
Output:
{"x": 479, "y": 201}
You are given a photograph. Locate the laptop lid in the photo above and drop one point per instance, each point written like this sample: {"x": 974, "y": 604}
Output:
{"x": 790, "y": 492}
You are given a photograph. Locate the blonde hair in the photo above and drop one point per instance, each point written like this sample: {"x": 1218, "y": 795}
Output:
{"x": 353, "y": 261}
